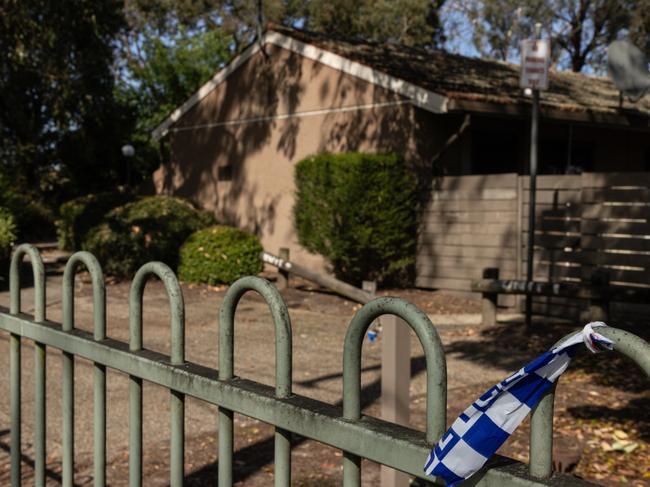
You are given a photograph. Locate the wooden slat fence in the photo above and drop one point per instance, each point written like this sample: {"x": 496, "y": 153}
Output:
{"x": 584, "y": 222}
{"x": 468, "y": 223}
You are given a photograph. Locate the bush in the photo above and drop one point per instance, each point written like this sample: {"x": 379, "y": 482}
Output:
{"x": 7, "y": 233}
{"x": 78, "y": 216}
{"x": 359, "y": 212}
{"x": 219, "y": 255}
{"x": 152, "y": 228}
{"x": 33, "y": 221}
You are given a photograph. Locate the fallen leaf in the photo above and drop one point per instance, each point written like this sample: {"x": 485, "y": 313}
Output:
{"x": 620, "y": 434}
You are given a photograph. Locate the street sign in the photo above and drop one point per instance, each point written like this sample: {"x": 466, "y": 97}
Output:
{"x": 535, "y": 57}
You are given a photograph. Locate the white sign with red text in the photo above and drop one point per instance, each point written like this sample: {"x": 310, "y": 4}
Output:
{"x": 535, "y": 57}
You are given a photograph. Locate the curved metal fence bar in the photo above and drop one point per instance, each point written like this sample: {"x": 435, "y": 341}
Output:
{"x": 99, "y": 371}
{"x": 38, "y": 271}
{"x": 541, "y": 422}
{"x": 177, "y": 309}
{"x": 283, "y": 373}
{"x": 435, "y": 363}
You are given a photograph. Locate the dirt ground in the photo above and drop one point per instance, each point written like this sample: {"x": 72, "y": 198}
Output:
{"x": 601, "y": 403}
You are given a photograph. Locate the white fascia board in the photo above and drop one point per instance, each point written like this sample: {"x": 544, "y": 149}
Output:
{"x": 425, "y": 99}
{"x": 428, "y": 100}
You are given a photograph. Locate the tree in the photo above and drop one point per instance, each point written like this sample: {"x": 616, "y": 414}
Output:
{"x": 164, "y": 71}
{"x": 407, "y": 22}
{"x": 58, "y": 114}
{"x": 579, "y": 30}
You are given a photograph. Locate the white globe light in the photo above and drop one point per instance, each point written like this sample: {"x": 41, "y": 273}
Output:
{"x": 128, "y": 150}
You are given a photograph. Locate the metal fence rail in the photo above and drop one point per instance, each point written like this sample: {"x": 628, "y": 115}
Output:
{"x": 346, "y": 429}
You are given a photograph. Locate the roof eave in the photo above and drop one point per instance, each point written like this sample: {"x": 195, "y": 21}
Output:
{"x": 626, "y": 118}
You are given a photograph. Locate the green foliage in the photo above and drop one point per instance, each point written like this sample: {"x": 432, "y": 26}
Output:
{"x": 579, "y": 31}
{"x": 152, "y": 228}
{"x": 78, "y": 216}
{"x": 219, "y": 255}
{"x": 408, "y": 22}
{"x": 7, "y": 233}
{"x": 60, "y": 123}
{"x": 358, "y": 211}
{"x": 33, "y": 221}
{"x": 170, "y": 68}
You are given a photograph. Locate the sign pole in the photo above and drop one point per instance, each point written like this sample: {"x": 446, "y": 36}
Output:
{"x": 534, "y": 128}
{"x": 534, "y": 76}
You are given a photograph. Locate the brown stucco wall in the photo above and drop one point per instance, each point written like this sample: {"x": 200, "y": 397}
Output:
{"x": 262, "y": 153}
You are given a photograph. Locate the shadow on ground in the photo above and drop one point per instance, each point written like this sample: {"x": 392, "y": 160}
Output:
{"x": 511, "y": 345}
{"x": 252, "y": 458}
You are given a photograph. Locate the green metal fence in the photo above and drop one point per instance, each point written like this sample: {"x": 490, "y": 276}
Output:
{"x": 356, "y": 435}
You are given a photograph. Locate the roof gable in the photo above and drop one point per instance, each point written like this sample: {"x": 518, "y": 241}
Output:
{"x": 419, "y": 96}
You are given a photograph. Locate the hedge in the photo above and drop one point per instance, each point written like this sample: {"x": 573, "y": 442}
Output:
{"x": 359, "y": 212}
{"x": 219, "y": 255}
{"x": 151, "y": 228}
{"x": 7, "y": 233}
{"x": 78, "y": 216}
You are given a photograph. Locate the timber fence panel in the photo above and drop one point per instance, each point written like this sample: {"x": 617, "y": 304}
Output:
{"x": 615, "y": 230}
{"x": 468, "y": 223}
{"x": 557, "y": 233}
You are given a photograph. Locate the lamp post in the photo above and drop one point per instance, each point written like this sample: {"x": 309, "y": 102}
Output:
{"x": 128, "y": 151}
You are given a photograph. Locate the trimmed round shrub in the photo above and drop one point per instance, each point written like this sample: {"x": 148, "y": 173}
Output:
{"x": 219, "y": 255}
{"x": 7, "y": 233}
{"x": 78, "y": 216}
{"x": 151, "y": 228}
{"x": 359, "y": 212}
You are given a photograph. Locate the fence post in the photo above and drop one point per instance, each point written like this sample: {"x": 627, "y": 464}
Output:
{"x": 599, "y": 302}
{"x": 489, "y": 300}
{"x": 395, "y": 380}
{"x": 282, "y": 281}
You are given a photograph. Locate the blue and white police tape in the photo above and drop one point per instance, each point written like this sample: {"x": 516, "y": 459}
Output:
{"x": 485, "y": 425}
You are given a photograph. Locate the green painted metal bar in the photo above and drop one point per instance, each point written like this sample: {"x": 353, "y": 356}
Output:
{"x": 541, "y": 421}
{"x": 177, "y": 406}
{"x": 38, "y": 272}
{"x": 40, "y": 427}
{"x": 15, "y": 410}
{"x": 67, "y": 418}
{"x": 99, "y": 372}
{"x": 377, "y": 440}
{"x": 435, "y": 363}
{"x": 283, "y": 373}
{"x": 135, "y": 431}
